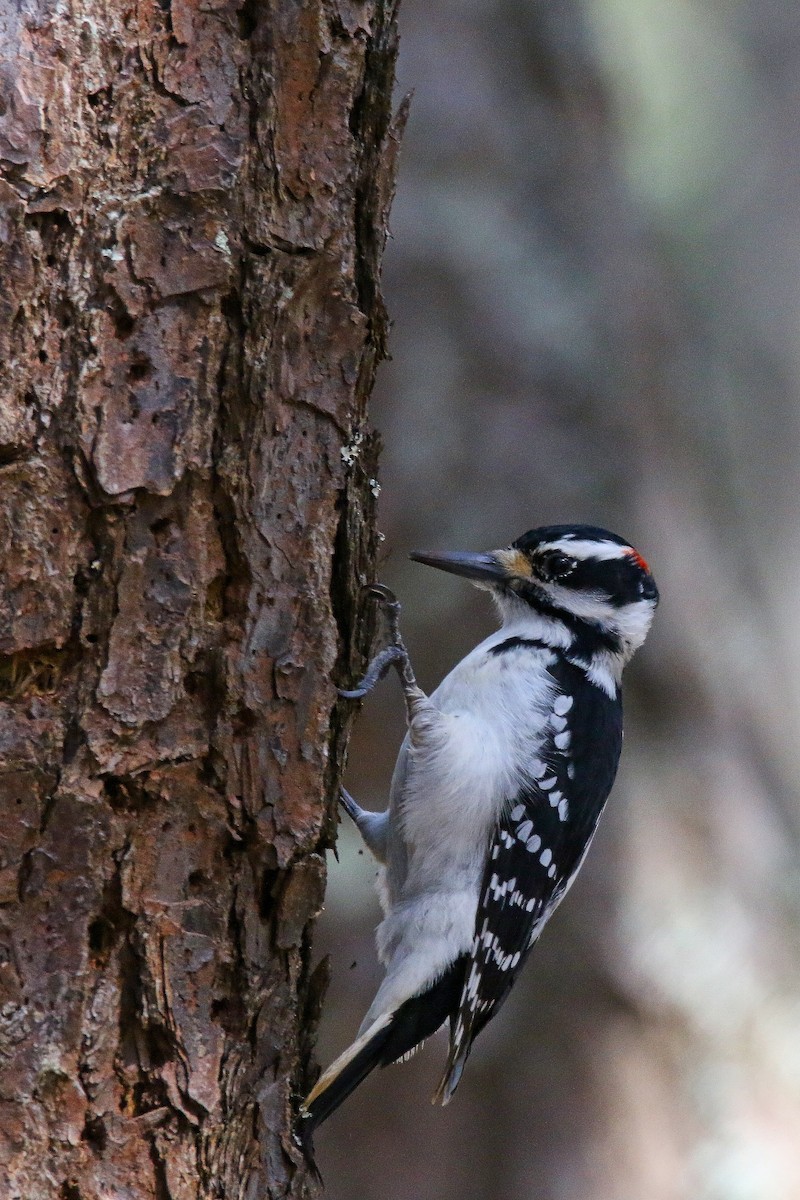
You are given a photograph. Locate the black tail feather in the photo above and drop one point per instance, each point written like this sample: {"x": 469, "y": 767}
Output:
{"x": 412, "y": 1023}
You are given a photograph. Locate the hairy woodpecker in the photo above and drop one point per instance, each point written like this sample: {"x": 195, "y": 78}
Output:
{"x": 497, "y": 790}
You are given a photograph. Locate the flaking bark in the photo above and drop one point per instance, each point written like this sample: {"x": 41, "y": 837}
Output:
{"x": 193, "y": 207}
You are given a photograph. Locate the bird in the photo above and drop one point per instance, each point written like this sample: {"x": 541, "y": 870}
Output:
{"x": 497, "y": 790}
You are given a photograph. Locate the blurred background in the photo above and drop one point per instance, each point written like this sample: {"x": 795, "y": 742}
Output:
{"x": 595, "y": 287}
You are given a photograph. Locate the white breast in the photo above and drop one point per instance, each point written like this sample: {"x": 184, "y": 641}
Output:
{"x": 494, "y": 709}
{"x": 447, "y": 795}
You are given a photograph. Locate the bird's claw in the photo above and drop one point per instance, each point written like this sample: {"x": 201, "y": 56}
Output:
{"x": 391, "y": 607}
{"x": 375, "y": 672}
{"x": 394, "y": 654}
{"x": 348, "y": 803}
{"x": 381, "y": 592}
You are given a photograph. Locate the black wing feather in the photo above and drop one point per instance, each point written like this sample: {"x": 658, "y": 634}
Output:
{"x": 537, "y": 847}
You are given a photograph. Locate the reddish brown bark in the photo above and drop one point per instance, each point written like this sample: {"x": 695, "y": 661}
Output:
{"x": 193, "y": 204}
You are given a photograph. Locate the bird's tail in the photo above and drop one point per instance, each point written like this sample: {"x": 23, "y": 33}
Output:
{"x": 391, "y": 1037}
{"x": 342, "y": 1077}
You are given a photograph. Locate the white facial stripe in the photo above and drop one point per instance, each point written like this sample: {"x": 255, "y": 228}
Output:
{"x": 629, "y": 621}
{"x": 587, "y": 549}
{"x": 592, "y": 606}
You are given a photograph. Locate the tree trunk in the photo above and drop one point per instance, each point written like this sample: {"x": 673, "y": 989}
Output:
{"x": 193, "y": 204}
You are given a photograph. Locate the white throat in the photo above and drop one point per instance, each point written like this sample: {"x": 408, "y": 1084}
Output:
{"x": 517, "y": 617}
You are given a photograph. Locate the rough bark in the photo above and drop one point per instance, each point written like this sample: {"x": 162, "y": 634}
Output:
{"x": 193, "y": 202}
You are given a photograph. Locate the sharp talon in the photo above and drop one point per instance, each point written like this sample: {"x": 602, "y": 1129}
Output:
{"x": 348, "y": 803}
{"x": 375, "y": 672}
{"x": 381, "y": 592}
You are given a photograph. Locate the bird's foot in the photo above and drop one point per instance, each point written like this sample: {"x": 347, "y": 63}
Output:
{"x": 393, "y": 655}
{"x": 349, "y": 805}
{"x": 391, "y": 608}
{"x": 381, "y": 663}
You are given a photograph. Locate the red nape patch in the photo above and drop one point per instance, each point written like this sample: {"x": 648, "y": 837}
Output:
{"x": 637, "y": 558}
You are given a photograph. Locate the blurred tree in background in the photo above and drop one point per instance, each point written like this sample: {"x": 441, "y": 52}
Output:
{"x": 594, "y": 282}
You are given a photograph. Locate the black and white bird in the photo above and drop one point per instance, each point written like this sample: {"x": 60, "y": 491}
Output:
{"x": 497, "y": 790}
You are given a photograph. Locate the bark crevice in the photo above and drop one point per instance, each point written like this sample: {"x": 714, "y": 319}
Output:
{"x": 189, "y": 331}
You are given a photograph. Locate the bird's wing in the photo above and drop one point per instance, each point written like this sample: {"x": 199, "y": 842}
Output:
{"x": 534, "y": 854}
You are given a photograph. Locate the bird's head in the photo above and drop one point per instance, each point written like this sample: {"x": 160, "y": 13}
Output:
{"x": 590, "y": 580}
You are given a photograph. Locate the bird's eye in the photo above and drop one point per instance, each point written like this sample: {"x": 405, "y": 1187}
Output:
{"x": 552, "y": 566}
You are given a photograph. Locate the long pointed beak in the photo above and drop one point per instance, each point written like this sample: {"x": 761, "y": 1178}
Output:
{"x": 472, "y": 566}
